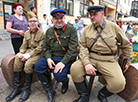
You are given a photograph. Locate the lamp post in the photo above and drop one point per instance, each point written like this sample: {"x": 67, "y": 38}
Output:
{"x": 99, "y": 2}
{"x": 116, "y": 9}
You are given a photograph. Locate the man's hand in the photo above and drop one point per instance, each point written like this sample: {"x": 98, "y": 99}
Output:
{"x": 50, "y": 63}
{"x": 126, "y": 68}
{"x": 19, "y": 55}
{"x": 59, "y": 67}
{"x": 90, "y": 69}
{"x": 23, "y": 59}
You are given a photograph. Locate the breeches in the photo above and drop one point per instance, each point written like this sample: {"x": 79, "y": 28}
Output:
{"x": 111, "y": 71}
{"x": 27, "y": 66}
{"x": 42, "y": 66}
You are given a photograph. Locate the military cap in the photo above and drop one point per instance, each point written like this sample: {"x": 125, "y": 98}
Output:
{"x": 95, "y": 8}
{"x": 58, "y": 12}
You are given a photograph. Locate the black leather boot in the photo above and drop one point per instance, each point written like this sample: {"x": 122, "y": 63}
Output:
{"x": 27, "y": 87}
{"x": 82, "y": 91}
{"x": 46, "y": 83}
{"x": 17, "y": 86}
{"x": 103, "y": 93}
{"x": 65, "y": 86}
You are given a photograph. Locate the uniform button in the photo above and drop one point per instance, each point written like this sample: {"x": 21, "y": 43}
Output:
{"x": 56, "y": 41}
{"x": 64, "y": 37}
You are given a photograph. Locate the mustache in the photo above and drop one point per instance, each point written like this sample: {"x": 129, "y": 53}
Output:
{"x": 92, "y": 19}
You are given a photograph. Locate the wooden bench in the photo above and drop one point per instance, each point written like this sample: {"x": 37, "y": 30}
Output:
{"x": 131, "y": 89}
{"x": 7, "y": 70}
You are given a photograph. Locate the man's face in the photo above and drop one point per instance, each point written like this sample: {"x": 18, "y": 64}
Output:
{"x": 96, "y": 17}
{"x": 135, "y": 29}
{"x": 33, "y": 23}
{"x": 78, "y": 17}
{"x": 59, "y": 21}
{"x": 34, "y": 10}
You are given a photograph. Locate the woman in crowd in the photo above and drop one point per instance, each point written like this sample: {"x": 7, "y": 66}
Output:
{"x": 44, "y": 23}
{"x": 17, "y": 25}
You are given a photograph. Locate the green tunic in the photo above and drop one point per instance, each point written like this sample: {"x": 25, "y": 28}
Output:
{"x": 69, "y": 41}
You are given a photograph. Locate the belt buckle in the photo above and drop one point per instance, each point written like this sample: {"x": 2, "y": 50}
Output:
{"x": 99, "y": 53}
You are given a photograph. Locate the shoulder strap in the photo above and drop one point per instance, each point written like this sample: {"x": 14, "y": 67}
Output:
{"x": 96, "y": 39}
{"x": 59, "y": 41}
{"x": 106, "y": 43}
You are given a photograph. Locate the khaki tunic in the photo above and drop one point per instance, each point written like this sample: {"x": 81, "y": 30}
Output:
{"x": 32, "y": 44}
{"x": 107, "y": 65}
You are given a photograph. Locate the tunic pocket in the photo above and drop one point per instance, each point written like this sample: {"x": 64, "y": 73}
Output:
{"x": 51, "y": 40}
{"x": 89, "y": 41}
{"x": 110, "y": 40}
{"x": 64, "y": 40}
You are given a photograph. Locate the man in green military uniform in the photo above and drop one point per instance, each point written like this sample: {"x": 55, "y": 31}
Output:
{"x": 59, "y": 52}
{"x": 98, "y": 46}
{"x": 30, "y": 53}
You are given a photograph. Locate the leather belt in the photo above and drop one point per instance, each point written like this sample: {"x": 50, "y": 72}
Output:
{"x": 104, "y": 54}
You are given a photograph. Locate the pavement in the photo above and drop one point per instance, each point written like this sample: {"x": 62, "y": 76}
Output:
{"x": 38, "y": 93}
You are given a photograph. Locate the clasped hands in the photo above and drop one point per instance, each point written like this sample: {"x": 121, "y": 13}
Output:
{"x": 57, "y": 67}
{"x": 23, "y": 57}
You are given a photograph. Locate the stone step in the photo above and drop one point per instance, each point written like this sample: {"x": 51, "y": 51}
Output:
{"x": 4, "y": 35}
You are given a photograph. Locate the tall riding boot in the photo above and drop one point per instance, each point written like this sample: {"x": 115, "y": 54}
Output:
{"x": 46, "y": 83}
{"x": 103, "y": 93}
{"x": 65, "y": 86}
{"x": 27, "y": 87}
{"x": 82, "y": 91}
{"x": 17, "y": 86}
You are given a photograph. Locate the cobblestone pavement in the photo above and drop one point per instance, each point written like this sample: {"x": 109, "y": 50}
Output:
{"x": 39, "y": 94}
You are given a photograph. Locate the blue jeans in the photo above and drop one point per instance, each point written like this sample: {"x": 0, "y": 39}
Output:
{"x": 42, "y": 66}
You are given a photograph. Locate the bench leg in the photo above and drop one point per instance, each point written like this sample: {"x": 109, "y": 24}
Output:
{"x": 90, "y": 83}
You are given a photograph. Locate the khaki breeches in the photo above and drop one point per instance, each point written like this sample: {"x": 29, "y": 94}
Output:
{"x": 27, "y": 66}
{"x": 111, "y": 71}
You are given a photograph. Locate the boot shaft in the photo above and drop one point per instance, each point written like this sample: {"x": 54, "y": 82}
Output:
{"x": 105, "y": 92}
{"x": 82, "y": 88}
{"x": 28, "y": 81}
{"x": 17, "y": 80}
{"x": 46, "y": 83}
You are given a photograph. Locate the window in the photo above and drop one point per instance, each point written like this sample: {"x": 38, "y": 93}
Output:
{"x": 118, "y": 1}
{"x": 128, "y": 2}
{"x": 30, "y": 3}
{"x": 63, "y": 4}
{"x": 84, "y": 4}
{"x": 12, "y": 1}
{"x": 125, "y": 1}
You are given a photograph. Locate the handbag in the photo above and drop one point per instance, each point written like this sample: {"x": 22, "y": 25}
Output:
{"x": 122, "y": 60}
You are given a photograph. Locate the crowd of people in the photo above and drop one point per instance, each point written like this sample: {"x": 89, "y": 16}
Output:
{"x": 57, "y": 47}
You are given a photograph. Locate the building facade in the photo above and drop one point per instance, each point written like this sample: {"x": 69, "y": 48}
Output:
{"x": 73, "y": 8}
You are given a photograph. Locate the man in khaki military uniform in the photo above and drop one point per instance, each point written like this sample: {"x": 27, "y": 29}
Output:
{"x": 32, "y": 13}
{"x": 100, "y": 56}
{"x": 30, "y": 53}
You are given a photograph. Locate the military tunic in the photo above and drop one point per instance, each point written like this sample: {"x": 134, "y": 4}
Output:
{"x": 68, "y": 38}
{"x": 52, "y": 49}
{"x": 32, "y": 44}
{"x": 107, "y": 65}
